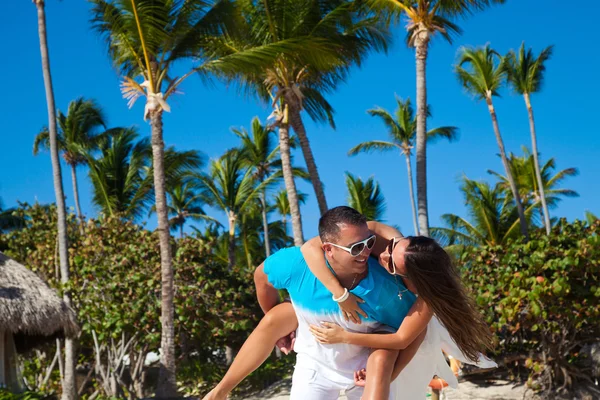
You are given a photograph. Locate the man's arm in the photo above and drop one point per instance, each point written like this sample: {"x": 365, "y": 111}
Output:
{"x": 268, "y": 296}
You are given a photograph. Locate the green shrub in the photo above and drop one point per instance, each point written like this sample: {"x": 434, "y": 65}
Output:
{"x": 541, "y": 298}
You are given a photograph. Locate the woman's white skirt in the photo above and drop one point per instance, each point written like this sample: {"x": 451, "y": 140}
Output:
{"x": 413, "y": 381}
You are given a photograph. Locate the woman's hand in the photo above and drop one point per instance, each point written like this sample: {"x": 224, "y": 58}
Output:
{"x": 328, "y": 333}
{"x": 351, "y": 311}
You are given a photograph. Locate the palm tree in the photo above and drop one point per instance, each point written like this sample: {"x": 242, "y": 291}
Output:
{"x": 281, "y": 204}
{"x": 526, "y": 76}
{"x": 493, "y": 218}
{"x": 185, "y": 203}
{"x": 402, "y": 129}
{"x": 231, "y": 187}
{"x": 147, "y": 38}
{"x": 328, "y": 38}
{"x": 482, "y": 72}
{"x": 426, "y": 19}
{"x": 365, "y": 197}
{"x": 118, "y": 174}
{"x": 69, "y": 391}
{"x": 524, "y": 171}
{"x": 122, "y": 173}
{"x": 262, "y": 156}
{"x": 77, "y": 134}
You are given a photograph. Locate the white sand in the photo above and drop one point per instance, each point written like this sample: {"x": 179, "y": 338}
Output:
{"x": 489, "y": 390}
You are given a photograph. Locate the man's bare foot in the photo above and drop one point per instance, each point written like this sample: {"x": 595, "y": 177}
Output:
{"x": 215, "y": 395}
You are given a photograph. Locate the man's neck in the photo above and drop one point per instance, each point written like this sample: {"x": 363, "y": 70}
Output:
{"x": 347, "y": 279}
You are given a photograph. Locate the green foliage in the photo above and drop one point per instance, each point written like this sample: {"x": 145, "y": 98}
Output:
{"x": 366, "y": 197}
{"x": 115, "y": 282}
{"x": 541, "y": 297}
{"x": 6, "y": 395}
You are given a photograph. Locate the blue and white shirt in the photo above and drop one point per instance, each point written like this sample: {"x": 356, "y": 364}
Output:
{"x": 312, "y": 302}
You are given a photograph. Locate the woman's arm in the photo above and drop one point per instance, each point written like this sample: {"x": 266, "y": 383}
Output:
{"x": 313, "y": 255}
{"x": 384, "y": 234}
{"x": 412, "y": 326}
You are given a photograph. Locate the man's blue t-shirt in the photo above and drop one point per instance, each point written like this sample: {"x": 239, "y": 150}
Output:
{"x": 312, "y": 302}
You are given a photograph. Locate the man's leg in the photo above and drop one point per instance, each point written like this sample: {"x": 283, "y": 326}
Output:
{"x": 308, "y": 385}
{"x": 379, "y": 374}
{"x": 278, "y": 322}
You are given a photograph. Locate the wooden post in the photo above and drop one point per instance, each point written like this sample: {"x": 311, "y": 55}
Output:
{"x": 435, "y": 394}
{"x": 2, "y": 361}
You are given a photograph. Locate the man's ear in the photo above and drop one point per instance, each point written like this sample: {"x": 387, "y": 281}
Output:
{"x": 326, "y": 247}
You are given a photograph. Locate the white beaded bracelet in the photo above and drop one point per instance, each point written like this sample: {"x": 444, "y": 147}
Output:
{"x": 342, "y": 298}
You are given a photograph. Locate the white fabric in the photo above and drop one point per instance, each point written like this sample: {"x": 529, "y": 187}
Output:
{"x": 308, "y": 384}
{"x": 413, "y": 381}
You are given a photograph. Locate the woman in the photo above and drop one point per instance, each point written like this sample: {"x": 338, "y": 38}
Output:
{"x": 431, "y": 276}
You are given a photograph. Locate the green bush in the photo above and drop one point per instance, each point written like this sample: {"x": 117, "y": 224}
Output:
{"x": 115, "y": 282}
{"x": 541, "y": 299}
{"x": 6, "y": 395}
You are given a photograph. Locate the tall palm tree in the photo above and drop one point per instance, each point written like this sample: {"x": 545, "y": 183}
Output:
{"x": 231, "y": 187}
{"x": 482, "y": 72}
{"x": 147, "y": 38}
{"x": 427, "y": 19}
{"x": 331, "y": 37}
{"x": 526, "y": 76}
{"x": 365, "y": 197}
{"x": 69, "y": 391}
{"x": 493, "y": 218}
{"x": 185, "y": 204}
{"x": 262, "y": 155}
{"x": 281, "y": 204}
{"x": 77, "y": 134}
{"x": 524, "y": 171}
{"x": 402, "y": 129}
{"x": 118, "y": 174}
{"x": 121, "y": 174}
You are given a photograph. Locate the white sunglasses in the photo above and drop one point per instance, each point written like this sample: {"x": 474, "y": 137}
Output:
{"x": 390, "y": 250}
{"x": 357, "y": 248}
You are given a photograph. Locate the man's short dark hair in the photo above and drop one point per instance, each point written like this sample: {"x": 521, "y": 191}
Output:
{"x": 329, "y": 224}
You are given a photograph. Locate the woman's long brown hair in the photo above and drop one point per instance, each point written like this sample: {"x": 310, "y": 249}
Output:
{"x": 438, "y": 283}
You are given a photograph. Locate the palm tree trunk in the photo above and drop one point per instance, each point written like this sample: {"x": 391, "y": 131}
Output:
{"x": 298, "y": 126}
{"x": 229, "y": 353}
{"x": 509, "y": 176}
{"x": 412, "y": 194}
{"x": 76, "y": 196}
{"x": 69, "y": 391}
{"x": 181, "y": 231}
{"x": 231, "y": 247}
{"x": 166, "y": 385}
{"x": 538, "y": 174}
{"x": 421, "y": 49}
{"x": 263, "y": 203}
{"x": 290, "y": 184}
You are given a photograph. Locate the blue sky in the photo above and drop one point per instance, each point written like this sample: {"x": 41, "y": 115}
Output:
{"x": 201, "y": 117}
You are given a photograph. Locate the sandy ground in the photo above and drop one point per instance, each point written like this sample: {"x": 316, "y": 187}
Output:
{"x": 480, "y": 390}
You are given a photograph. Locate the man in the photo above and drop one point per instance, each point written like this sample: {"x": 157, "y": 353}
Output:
{"x": 321, "y": 371}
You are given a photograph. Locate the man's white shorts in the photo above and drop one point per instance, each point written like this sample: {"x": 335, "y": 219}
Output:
{"x": 307, "y": 384}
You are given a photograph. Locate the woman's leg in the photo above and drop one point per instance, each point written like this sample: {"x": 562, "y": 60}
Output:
{"x": 379, "y": 374}
{"x": 277, "y": 323}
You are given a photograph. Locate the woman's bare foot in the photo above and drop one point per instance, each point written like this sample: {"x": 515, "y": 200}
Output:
{"x": 215, "y": 395}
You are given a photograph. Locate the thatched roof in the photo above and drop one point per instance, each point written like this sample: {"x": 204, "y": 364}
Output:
{"x": 30, "y": 309}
